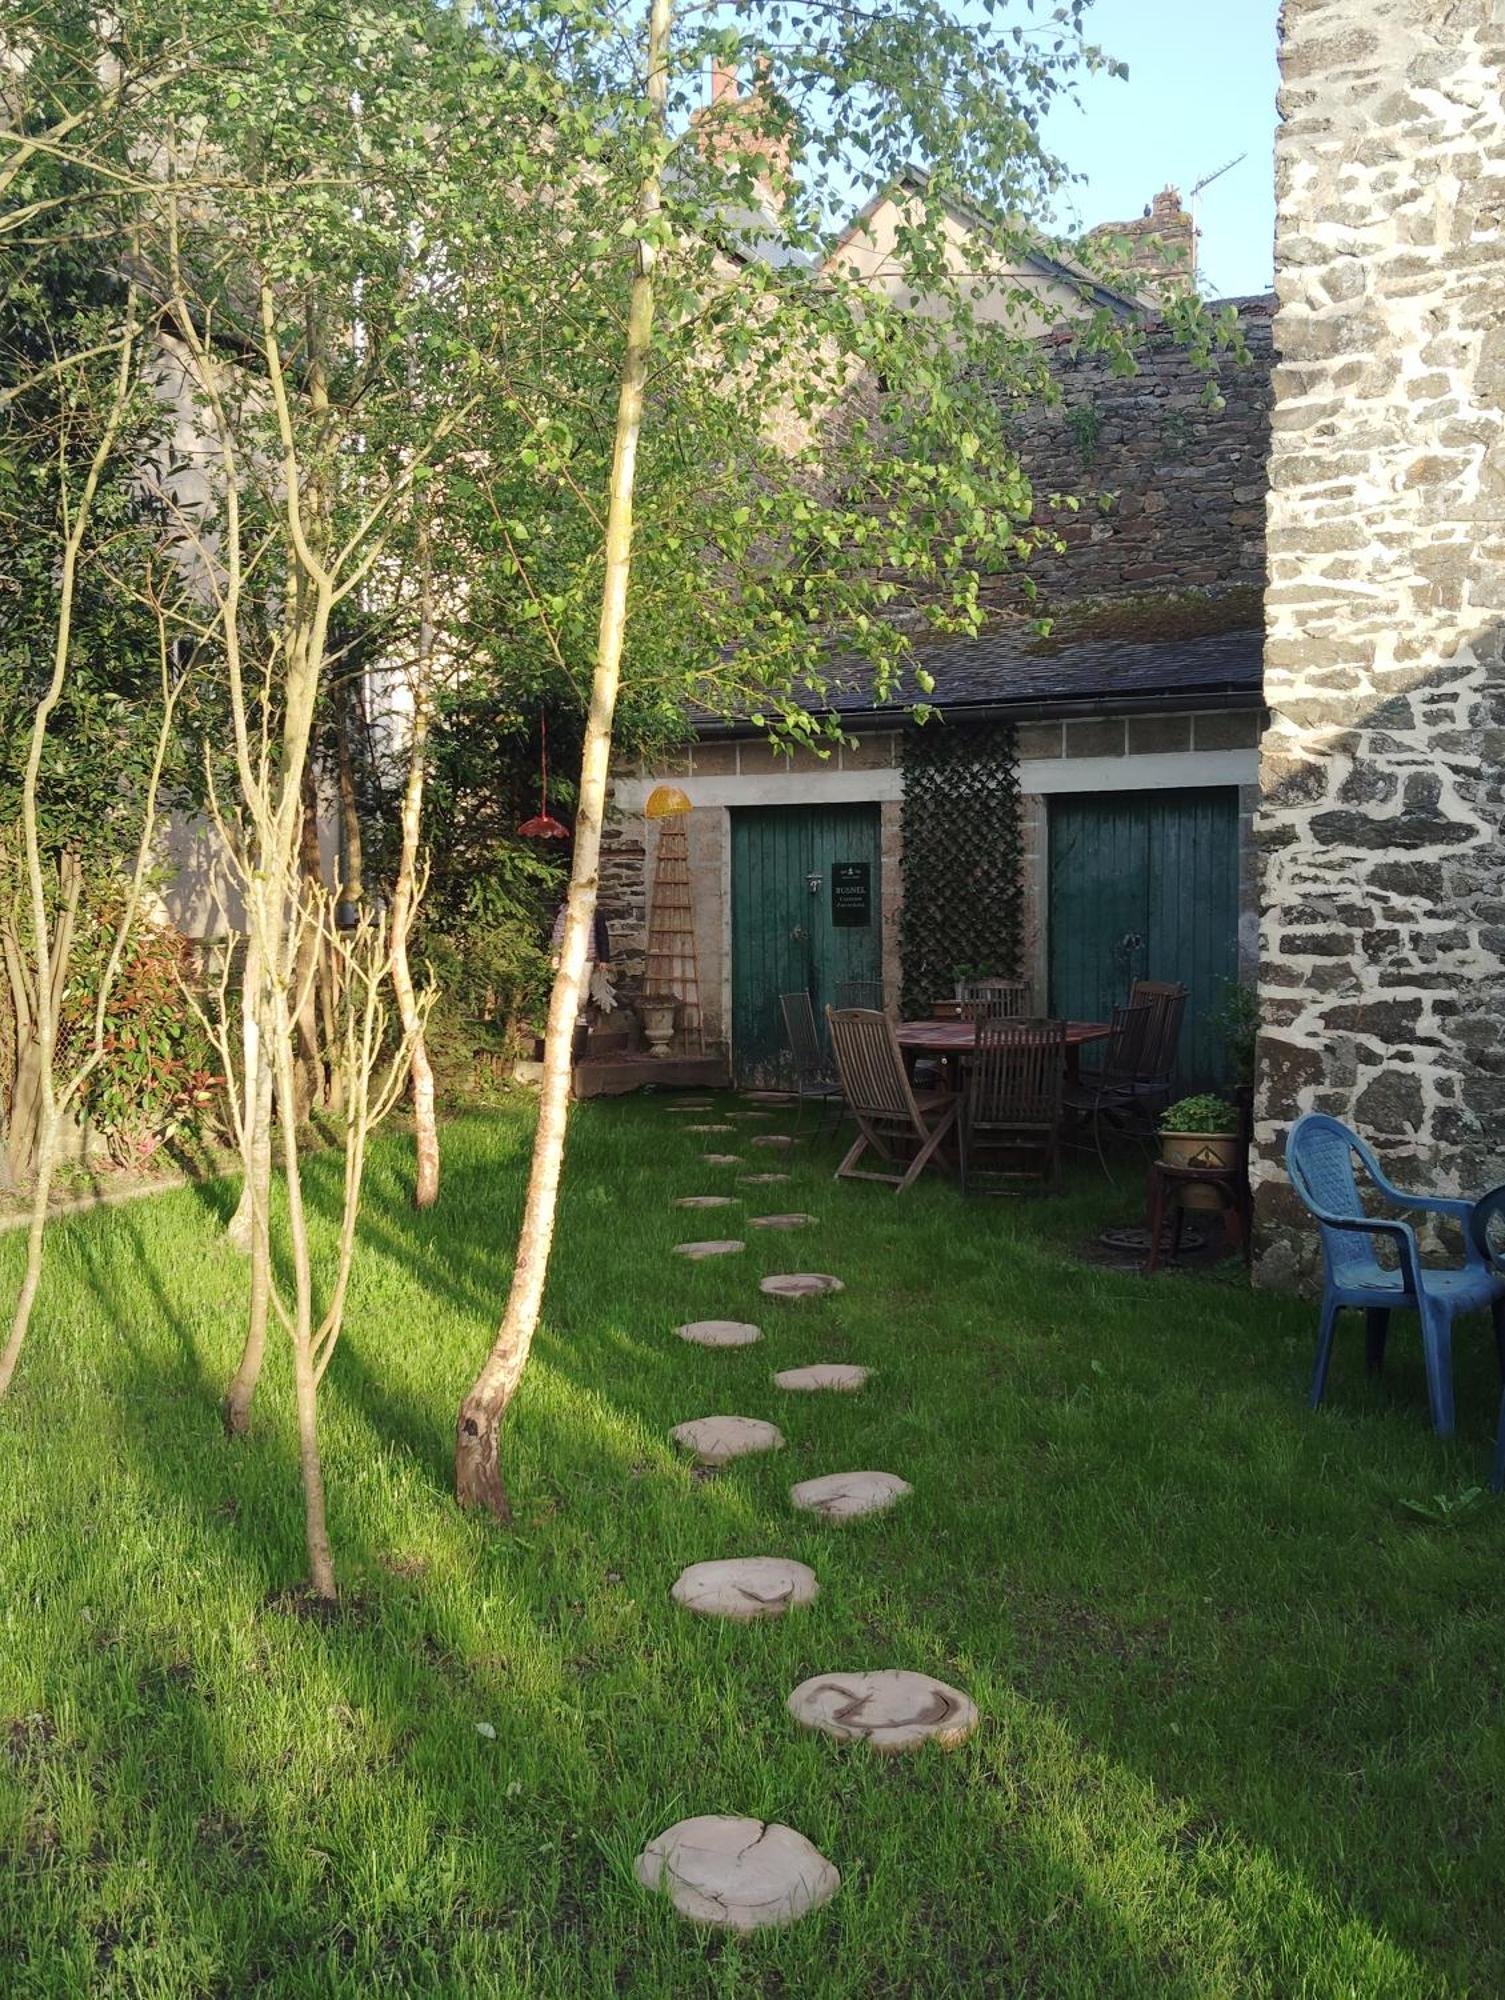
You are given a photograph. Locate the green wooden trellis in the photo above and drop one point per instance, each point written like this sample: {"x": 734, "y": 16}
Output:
{"x": 963, "y": 907}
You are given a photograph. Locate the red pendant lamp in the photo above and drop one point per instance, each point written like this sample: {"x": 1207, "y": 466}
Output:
{"x": 543, "y": 825}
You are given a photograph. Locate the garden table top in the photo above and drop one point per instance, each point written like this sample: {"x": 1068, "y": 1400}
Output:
{"x": 950, "y": 1038}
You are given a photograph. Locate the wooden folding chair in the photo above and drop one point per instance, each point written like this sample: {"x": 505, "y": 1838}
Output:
{"x": 993, "y": 999}
{"x": 1013, "y": 1097}
{"x": 890, "y": 1113}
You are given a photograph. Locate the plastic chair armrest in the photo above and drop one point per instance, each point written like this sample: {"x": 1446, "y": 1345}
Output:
{"x": 1402, "y": 1233}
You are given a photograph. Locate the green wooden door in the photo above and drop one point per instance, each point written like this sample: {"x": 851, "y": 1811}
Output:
{"x": 806, "y": 903}
{"x": 1161, "y": 867}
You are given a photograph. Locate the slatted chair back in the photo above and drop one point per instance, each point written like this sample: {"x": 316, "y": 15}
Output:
{"x": 993, "y": 999}
{"x": 1163, "y": 1037}
{"x": 871, "y": 1067}
{"x": 1016, "y": 1073}
{"x": 1124, "y": 1052}
{"x": 864, "y": 993}
{"x": 803, "y": 1036}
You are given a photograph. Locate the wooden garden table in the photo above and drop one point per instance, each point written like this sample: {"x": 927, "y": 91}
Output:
{"x": 951, "y": 1041}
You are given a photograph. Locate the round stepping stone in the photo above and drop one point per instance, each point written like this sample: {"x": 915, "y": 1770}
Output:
{"x": 745, "y": 1588}
{"x": 893, "y": 1709}
{"x": 705, "y": 1201}
{"x": 843, "y": 1496}
{"x": 720, "y": 1332}
{"x": 690, "y": 1104}
{"x": 762, "y": 1180}
{"x": 839, "y": 1375}
{"x": 791, "y": 1221}
{"x": 767, "y": 1097}
{"x": 800, "y": 1285}
{"x": 739, "y": 1874}
{"x": 721, "y": 1159}
{"x": 715, "y": 1246}
{"x": 773, "y": 1139}
{"x": 749, "y": 1114}
{"x": 718, "y": 1440}
{"x": 710, "y": 1128}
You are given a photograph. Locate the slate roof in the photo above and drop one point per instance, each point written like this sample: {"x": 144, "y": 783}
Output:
{"x": 1011, "y": 667}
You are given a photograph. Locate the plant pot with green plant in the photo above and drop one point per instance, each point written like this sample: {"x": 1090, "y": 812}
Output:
{"x": 1201, "y": 1132}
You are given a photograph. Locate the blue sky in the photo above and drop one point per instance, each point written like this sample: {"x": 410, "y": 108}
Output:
{"x": 1200, "y": 90}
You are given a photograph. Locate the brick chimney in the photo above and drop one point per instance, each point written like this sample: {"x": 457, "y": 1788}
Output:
{"x": 1162, "y": 242}
{"x": 715, "y": 126}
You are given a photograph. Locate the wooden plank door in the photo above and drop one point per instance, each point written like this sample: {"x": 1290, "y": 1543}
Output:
{"x": 1161, "y": 867}
{"x": 806, "y": 903}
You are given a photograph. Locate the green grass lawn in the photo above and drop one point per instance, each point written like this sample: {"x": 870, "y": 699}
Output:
{"x": 1242, "y": 1710}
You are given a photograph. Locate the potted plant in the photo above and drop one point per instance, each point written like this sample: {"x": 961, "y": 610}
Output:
{"x": 1200, "y": 1132}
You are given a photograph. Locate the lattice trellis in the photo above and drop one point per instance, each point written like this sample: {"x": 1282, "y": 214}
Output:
{"x": 671, "y": 971}
{"x": 963, "y": 859}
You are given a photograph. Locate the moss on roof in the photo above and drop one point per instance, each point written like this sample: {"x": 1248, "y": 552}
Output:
{"x": 1155, "y": 616}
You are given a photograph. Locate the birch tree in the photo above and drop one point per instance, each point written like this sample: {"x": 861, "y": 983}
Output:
{"x": 850, "y": 479}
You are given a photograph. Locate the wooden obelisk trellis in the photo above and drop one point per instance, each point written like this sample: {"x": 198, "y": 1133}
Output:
{"x": 671, "y": 971}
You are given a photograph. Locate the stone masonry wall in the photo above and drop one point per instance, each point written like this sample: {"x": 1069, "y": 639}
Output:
{"x": 1171, "y": 493}
{"x": 1382, "y": 823}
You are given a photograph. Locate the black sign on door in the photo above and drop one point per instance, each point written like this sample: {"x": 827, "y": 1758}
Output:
{"x": 851, "y": 894}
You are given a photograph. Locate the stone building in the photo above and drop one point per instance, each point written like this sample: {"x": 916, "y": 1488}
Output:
{"x": 1383, "y": 769}
{"x": 1098, "y": 786}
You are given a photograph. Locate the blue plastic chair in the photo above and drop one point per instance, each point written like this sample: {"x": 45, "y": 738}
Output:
{"x": 1490, "y": 1209}
{"x": 1320, "y": 1155}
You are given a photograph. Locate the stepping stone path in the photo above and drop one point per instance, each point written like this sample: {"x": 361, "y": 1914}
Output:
{"x": 840, "y": 1375}
{"x": 689, "y": 1104}
{"x": 710, "y": 1128}
{"x": 800, "y": 1285}
{"x": 745, "y": 1588}
{"x": 749, "y": 1114}
{"x": 744, "y": 1874}
{"x": 718, "y": 1440}
{"x": 893, "y": 1710}
{"x": 720, "y": 1332}
{"x": 843, "y": 1496}
{"x": 767, "y": 1097}
{"x": 739, "y": 1874}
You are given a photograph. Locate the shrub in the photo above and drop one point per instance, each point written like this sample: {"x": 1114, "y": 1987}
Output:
{"x": 159, "y": 1082}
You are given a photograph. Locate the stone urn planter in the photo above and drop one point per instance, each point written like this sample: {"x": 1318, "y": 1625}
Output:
{"x": 1200, "y": 1132}
{"x": 657, "y": 1017}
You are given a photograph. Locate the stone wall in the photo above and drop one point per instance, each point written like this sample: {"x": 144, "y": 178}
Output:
{"x": 1171, "y": 493}
{"x": 1383, "y": 772}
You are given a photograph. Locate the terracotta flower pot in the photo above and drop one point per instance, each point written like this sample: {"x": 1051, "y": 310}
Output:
{"x": 1200, "y": 1149}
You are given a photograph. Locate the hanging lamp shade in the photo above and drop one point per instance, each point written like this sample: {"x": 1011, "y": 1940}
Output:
{"x": 543, "y": 825}
{"x": 665, "y": 802}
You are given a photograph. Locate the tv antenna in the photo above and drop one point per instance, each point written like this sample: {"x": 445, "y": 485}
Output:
{"x": 1206, "y": 182}
{"x": 1216, "y": 175}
